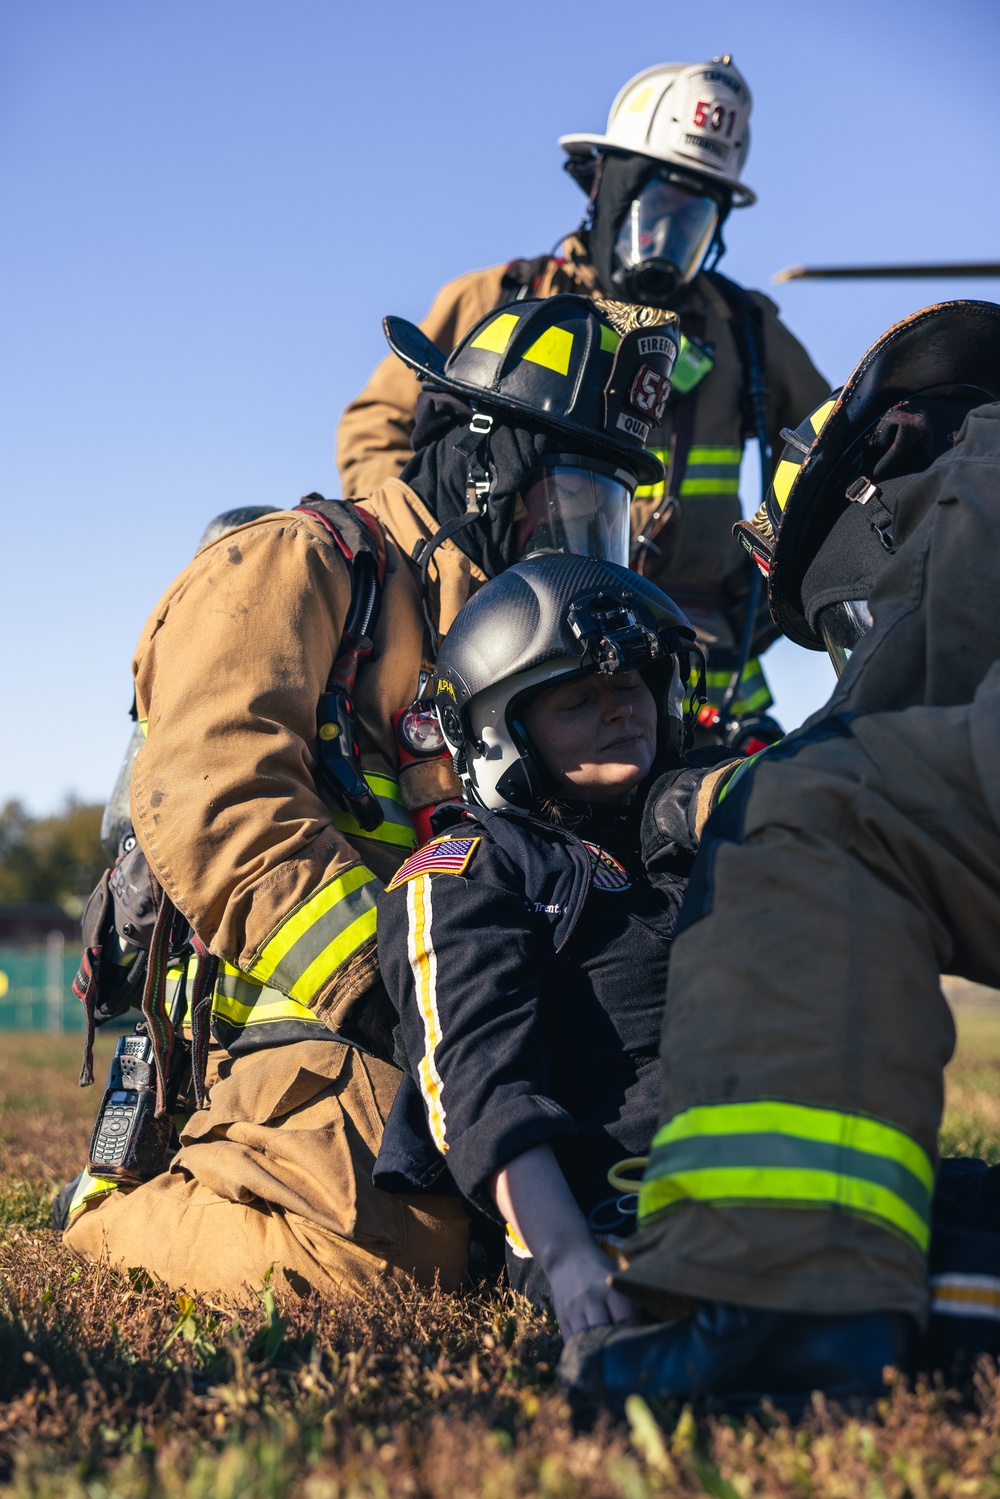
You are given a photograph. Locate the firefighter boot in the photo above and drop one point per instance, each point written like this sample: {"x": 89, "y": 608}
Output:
{"x": 729, "y": 1359}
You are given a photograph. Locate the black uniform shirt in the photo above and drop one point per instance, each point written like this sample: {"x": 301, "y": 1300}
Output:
{"x": 529, "y": 966}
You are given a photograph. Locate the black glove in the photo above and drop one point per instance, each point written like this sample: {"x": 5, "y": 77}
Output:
{"x": 671, "y": 817}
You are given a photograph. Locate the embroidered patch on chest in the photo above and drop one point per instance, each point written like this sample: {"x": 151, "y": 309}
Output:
{"x": 607, "y": 872}
{"x": 440, "y": 856}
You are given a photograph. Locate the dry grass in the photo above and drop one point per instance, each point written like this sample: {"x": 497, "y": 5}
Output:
{"x": 111, "y": 1386}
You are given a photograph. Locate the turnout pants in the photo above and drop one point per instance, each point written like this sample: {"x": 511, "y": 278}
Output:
{"x": 277, "y": 1171}
{"x": 805, "y": 1032}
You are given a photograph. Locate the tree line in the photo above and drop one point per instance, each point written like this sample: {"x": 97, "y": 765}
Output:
{"x": 56, "y": 858}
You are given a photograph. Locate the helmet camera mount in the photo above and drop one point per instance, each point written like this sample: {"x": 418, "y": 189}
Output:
{"x": 614, "y": 637}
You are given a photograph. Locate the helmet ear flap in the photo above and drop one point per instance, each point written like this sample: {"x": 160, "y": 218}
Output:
{"x": 516, "y": 784}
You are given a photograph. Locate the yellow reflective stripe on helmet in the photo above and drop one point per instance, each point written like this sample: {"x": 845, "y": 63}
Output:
{"x": 640, "y": 100}
{"x": 552, "y": 350}
{"x": 791, "y": 1155}
{"x": 397, "y": 828}
{"x": 784, "y": 477}
{"x": 320, "y": 934}
{"x": 242, "y": 1002}
{"x": 88, "y": 1188}
{"x": 496, "y": 335}
{"x": 817, "y": 418}
{"x": 609, "y": 339}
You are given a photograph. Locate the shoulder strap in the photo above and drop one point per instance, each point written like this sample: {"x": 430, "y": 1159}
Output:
{"x": 747, "y": 322}
{"x": 748, "y": 334}
{"x": 352, "y": 528}
{"x": 361, "y": 543}
{"x": 521, "y": 278}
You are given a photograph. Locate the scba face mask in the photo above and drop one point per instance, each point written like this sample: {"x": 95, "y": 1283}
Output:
{"x": 580, "y": 508}
{"x": 663, "y": 239}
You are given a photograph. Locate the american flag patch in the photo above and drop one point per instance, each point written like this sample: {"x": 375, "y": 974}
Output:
{"x": 441, "y": 856}
{"x": 606, "y": 872}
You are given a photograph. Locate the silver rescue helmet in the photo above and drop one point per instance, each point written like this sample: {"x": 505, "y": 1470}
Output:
{"x": 553, "y": 618}
{"x": 664, "y": 176}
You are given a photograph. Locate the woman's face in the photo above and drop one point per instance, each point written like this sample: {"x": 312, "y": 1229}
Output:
{"x": 596, "y": 736}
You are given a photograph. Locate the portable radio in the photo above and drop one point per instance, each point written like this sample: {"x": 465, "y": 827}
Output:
{"x": 129, "y": 1143}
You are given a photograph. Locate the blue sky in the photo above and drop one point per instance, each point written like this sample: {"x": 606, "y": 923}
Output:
{"x": 209, "y": 204}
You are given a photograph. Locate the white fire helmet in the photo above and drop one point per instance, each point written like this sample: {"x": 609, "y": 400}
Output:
{"x": 693, "y": 115}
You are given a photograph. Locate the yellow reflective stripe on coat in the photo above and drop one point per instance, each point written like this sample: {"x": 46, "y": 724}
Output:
{"x": 658, "y": 490}
{"x": 786, "y": 1155}
{"x": 320, "y": 935}
{"x": 397, "y": 828}
{"x": 240, "y": 1001}
{"x": 423, "y": 967}
{"x": 708, "y": 471}
{"x": 711, "y": 471}
{"x": 752, "y": 696}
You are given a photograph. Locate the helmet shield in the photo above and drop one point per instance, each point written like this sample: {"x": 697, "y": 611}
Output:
{"x": 663, "y": 239}
{"x": 843, "y": 627}
{"x": 578, "y": 508}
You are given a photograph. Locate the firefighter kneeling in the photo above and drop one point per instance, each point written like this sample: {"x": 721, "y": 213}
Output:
{"x": 788, "y": 1204}
{"x": 269, "y": 807}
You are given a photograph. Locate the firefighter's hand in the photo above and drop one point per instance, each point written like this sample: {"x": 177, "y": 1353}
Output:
{"x": 533, "y": 1196}
{"x": 582, "y": 1293}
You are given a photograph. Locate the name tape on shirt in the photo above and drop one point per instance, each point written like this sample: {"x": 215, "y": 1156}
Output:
{"x": 607, "y": 873}
{"x": 440, "y": 856}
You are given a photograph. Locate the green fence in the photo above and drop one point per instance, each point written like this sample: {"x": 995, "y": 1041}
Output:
{"x": 35, "y": 988}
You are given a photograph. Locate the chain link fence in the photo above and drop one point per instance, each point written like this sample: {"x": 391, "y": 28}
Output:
{"x": 35, "y": 987}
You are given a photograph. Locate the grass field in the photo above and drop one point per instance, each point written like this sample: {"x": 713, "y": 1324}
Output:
{"x": 112, "y": 1386}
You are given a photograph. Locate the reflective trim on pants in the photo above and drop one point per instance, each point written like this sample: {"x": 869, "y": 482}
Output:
{"x": 770, "y": 1153}
{"x": 88, "y": 1188}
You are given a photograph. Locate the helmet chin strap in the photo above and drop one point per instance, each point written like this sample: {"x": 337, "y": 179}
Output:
{"x": 475, "y": 445}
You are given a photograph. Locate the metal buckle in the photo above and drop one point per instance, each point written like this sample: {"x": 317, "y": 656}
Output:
{"x": 861, "y": 491}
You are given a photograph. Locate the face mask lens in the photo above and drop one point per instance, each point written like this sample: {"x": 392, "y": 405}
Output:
{"x": 843, "y": 627}
{"x": 666, "y": 226}
{"x": 578, "y": 510}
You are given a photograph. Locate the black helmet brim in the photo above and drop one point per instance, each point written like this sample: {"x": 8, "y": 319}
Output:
{"x": 410, "y": 344}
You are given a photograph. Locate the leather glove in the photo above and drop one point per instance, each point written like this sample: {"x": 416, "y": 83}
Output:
{"x": 677, "y": 808}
